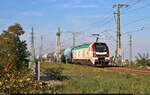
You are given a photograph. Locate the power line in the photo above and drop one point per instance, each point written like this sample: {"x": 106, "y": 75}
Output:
{"x": 73, "y": 36}
{"x": 133, "y": 3}
{"x": 138, "y": 30}
{"x": 132, "y": 10}
{"x": 96, "y": 21}
{"x": 127, "y": 24}
{"x": 137, "y": 20}
{"x": 105, "y": 21}
{"x": 147, "y": 5}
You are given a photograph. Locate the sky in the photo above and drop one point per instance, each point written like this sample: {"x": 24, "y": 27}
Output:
{"x": 84, "y": 16}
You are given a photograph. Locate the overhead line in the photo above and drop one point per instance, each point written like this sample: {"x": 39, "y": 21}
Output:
{"x": 133, "y": 3}
{"x": 127, "y": 24}
{"x": 105, "y": 21}
{"x": 134, "y": 31}
{"x": 137, "y": 20}
{"x": 147, "y": 5}
{"x": 96, "y": 21}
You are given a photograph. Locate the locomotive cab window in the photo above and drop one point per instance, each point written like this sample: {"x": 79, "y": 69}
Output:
{"x": 100, "y": 47}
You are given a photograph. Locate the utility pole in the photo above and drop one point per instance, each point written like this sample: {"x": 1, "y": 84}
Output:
{"x": 32, "y": 59}
{"x": 58, "y": 46}
{"x": 118, "y": 40}
{"x": 130, "y": 45}
{"x": 41, "y": 49}
{"x": 32, "y": 46}
{"x": 73, "y": 38}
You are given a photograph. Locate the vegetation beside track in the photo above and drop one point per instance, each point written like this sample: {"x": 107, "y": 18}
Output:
{"x": 15, "y": 77}
{"x": 24, "y": 83}
{"x": 142, "y": 61}
{"x": 86, "y": 79}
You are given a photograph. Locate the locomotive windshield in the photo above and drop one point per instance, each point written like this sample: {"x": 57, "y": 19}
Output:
{"x": 100, "y": 48}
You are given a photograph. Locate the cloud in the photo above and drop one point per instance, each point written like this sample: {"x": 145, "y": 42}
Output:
{"x": 32, "y": 14}
{"x": 85, "y": 6}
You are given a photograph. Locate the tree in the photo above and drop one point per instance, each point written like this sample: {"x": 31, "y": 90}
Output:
{"x": 11, "y": 45}
{"x": 143, "y": 60}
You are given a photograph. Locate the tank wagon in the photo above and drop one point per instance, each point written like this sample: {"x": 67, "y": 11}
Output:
{"x": 68, "y": 55}
{"x": 55, "y": 56}
{"x": 92, "y": 53}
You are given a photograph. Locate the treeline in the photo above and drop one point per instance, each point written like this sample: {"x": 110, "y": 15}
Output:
{"x": 142, "y": 59}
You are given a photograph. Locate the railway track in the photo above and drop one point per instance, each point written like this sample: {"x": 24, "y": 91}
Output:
{"x": 132, "y": 70}
{"x": 129, "y": 70}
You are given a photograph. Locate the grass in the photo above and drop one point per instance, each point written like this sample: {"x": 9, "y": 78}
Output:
{"x": 86, "y": 79}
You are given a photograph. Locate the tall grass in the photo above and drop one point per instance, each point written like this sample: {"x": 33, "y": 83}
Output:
{"x": 86, "y": 79}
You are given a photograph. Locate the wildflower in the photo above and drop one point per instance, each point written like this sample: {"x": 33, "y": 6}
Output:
{"x": 20, "y": 80}
{"x": 40, "y": 83}
{"x": 28, "y": 79}
{"x": 0, "y": 83}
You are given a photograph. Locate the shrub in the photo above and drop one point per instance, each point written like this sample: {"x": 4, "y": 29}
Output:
{"x": 56, "y": 73}
{"x": 142, "y": 60}
{"x": 23, "y": 83}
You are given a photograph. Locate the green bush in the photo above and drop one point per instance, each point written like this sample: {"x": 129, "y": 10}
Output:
{"x": 142, "y": 60}
{"x": 56, "y": 73}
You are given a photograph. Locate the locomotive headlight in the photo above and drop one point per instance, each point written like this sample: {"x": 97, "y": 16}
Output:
{"x": 107, "y": 58}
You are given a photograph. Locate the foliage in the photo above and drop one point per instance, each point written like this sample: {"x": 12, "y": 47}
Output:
{"x": 23, "y": 83}
{"x": 143, "y": 60}
{"x": 12, "y": 46}
{"x": 56, "y": 73}
{"x": 89, "y": 80}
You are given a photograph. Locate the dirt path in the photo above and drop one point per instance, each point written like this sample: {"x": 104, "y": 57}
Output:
{"x": 50, "y": 81}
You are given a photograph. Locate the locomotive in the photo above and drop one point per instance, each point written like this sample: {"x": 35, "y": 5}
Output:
{"x": 92, "y": 53}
